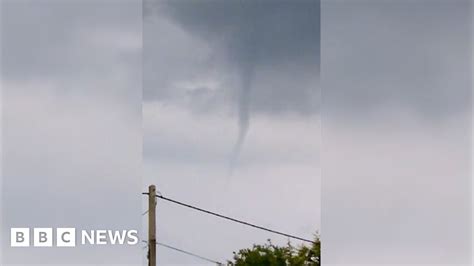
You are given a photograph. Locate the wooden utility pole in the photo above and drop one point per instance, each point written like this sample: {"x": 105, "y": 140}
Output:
{"x": 151, "y": 225}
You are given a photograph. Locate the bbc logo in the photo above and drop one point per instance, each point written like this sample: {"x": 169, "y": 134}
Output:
{"x": 42, "y": 237}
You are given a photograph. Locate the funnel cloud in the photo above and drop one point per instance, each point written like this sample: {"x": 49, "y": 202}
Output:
{"x": 254, "y": 38}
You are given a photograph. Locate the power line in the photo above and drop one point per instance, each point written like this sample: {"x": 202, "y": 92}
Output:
{"x": 188, "y": 253}
{"x": 233, "y": 219}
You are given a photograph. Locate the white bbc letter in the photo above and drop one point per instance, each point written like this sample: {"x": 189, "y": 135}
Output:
{"x": 66, "y": 237}
{"x": 88, "y": 237}
{"x": 132, "y": 237}
{"x": 101, "y": 237}
{"x": 20, "y": 237}
{"x": 43, "y": 237}
{"x": 117, "y": 237}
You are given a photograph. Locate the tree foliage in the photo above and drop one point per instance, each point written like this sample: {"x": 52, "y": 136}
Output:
{"x": 272, "y": 255}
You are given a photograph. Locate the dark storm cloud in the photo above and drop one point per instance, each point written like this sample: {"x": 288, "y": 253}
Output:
{"x": 254, "y": 32}
{"x": 266, "y": 44}
{"x": 255, "y": 38}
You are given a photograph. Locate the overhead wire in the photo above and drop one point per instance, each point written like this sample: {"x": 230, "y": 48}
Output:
{"x": 233, "y": 219}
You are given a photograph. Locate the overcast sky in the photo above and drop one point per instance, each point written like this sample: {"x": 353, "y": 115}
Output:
{"x": 231, "y": 120}
{"x": 396, "y": 149}
{"x": 71, "y": 123}
{"x": 240, "y": 107}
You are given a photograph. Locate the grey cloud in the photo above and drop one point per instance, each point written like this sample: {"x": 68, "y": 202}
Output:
{"x": 52, "y": 40}
{"x": 404, "y": 55}
{"x": 198, "y": 59}
{"x": 397, "y": 126}
{"x": 263, "y": 32}
{"x": 258, "y": 41}
{"x": 70, "y": 102}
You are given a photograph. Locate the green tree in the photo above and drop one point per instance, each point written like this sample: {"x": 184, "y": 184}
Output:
{"x": 269, "y": 254}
